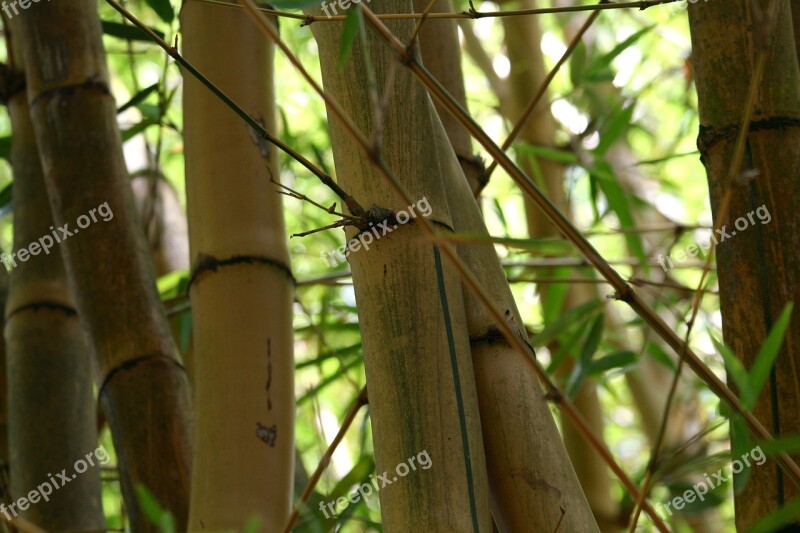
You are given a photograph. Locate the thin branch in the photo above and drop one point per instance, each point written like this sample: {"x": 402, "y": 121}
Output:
{"x": 471, "y": 14}
{"x": 360, "y": 402}
{"x": 537, "y": 97}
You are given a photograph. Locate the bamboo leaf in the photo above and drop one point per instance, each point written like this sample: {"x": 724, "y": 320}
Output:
{"x": 293, "y": 4}
{"x": 138, "y": 98}
{"x": 128, "y": 32}
{"x": 327, "y": 381}
{"x": 566, "y": 347}
{"x": 133, "y": 131}
{"x": 554, "y": 298}
{"x": 665, "y": 159}
{"x": 733, "y": 366}
{"x": 658, "y": 354}
{"x": 349, "y": 33}
{"x": 783, "y": 443}
{"x": 764, "y": 361}
{"x": 5, "y": 199}
{"x": 163, "y": 9}
{"x": 559, "y": 156}
{"x": 618, "y": 201}
{"x": 572, "y": 317}
{"x": 622, "y": 359}
{"x": 600, "y": 68}
{"x": 615, "y": 127}
{"x": 498, "y": 209}
{"x": 5, "y": 149}
{"x": 153, "y": 510}
{"x": 786, "y": 515}
{"x": 741, "y": 443}
{"x": 253, "y": 524}
{"x": 583, "y": 364}
{"x": 357, "y": 475}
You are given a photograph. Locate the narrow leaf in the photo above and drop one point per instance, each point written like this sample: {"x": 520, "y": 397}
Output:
{"x": 128, "y": 32}
{"x": 571, "y": 318}
{"x": 764, "y": 361}
{"x": 163, "y": 9}
{"x": 733, "y": 366}
{"x": 349, "y": 33}
{"x": 138, "y": 98}
{"x": 787, "y": 515}
{"x": 602, "y": 64}
{"x": 296, "y": 4}
{"x": 587, "y": 353}
{"x": 615, "y": 360}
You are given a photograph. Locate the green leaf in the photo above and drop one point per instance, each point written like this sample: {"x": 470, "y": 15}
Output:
{"x": 665, "y": 159}
{"x": 5, "y": 148}
{"x": 5, "y": 200}
{"x": 357, "y": 475}
{"x": 353, "y": 349}
{"x": 587, "y": 353}
{"x": 498, "y": 210}
{"x": 659, "y": 355}
{"x": 566, "y": 347}
{"x": 789, "y": 514}
{"x": 784, "y": 443}
{"x": 138, "y": 98}
{"x": 329, "y": 380}
{"x": 128, "y": 32}
{"x": 741, "y": 443}
{"x": 764, "y": 361}
{"x": 622, "y": 359}
{"x": 572, "y": 317}
{"x": 614, "y": 129}
{"x": 554, "y": 298}
{"x": 618, "y": 201}
{"x": 600, "y": 68}
{"x": 153, "y": 510}
{"x": 294, "y": 4}
{"x": 133, "y": 131}
{"x": 734, "y": 367}
{"x": 163, "y": 9}
{"x": 577, "y": 64}
{"x": 253, "y": 524}
{"x": 713, "y": 498}
{"x": 349, "y": 33}
{"x": 314, "y": 521}
{"x": 559, "y": 156}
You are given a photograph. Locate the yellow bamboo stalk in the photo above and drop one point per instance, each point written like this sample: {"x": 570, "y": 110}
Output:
{"x": 416, "y": 383}
{"x": 241, "y": 285}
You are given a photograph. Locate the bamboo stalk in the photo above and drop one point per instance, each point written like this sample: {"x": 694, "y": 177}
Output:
{"x": 241, "y": 286}
{"x": 52, "y": 420}
{"x": 142, "y": 386}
